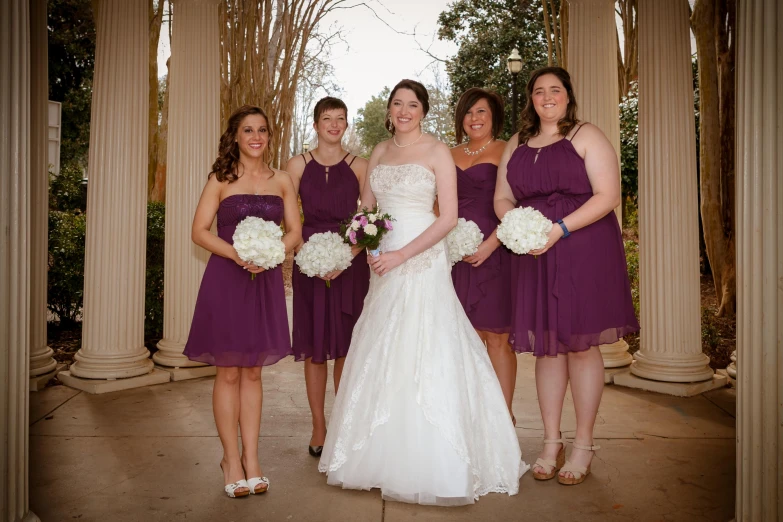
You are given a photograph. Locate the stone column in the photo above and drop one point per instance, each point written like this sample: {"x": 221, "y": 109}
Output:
{"x": 194, "y": 131}
{"x": 592, "y": 55}
{"x": 15, "y": 257}
{"x": 759, "y": 261}
{"x": 670, "y": 359}
{"x": 113, "y": 355}
{"x": 42, "y": 366}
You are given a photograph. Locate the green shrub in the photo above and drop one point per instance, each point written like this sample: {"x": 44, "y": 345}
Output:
{"x": 65, "y": 292}
{"x": 153, "y": 298}
{"x": 66, "y": 191}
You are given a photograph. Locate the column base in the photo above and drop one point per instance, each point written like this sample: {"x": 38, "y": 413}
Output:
{"x": 679, "y": 368}
{"x": 169, "y": 355}
{"x": 42, "y": 363}
{"x": 609, "y": 374}
{"x": 731, "y": 369}
{"x": 38, "y": 382}
{"x": 30, "y": 517}
{"x": 89, "y": 365}
{"x": 615, "y": 355}
{"x": 193, "y": 372}
{"x": 98, "y": 386}
{"x": 678, "y": 389}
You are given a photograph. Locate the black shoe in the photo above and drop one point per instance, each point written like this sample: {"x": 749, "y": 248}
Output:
{"x": 315, "y": 451}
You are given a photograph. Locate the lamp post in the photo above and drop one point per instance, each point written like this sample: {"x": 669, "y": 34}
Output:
{"x": 306, "y": 146}
{"x": 514, "y": 64}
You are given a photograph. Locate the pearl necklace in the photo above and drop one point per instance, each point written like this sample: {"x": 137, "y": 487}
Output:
{"x": 394, "y": 139}
{"x": 479, "y": 151}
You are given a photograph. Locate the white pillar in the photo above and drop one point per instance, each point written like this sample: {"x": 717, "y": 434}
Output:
{"x": 670, "y": 359}
{"x": 194, "y": 131}
{"x": 42, "y": 365}
{"x": 592, "y": 55}
{"x": 113, "y": 355}
{"x": 759, "y": 261}
{"x": 14, "y": 258}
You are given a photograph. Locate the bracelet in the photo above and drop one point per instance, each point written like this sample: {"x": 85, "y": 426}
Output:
{"x": 566, "y": 233}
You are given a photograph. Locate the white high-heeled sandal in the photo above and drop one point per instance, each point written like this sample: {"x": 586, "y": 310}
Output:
{"x": 231, "y": 489}
{"x": 257, "y": 481}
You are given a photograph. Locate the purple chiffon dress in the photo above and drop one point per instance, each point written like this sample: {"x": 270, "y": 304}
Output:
{"x": 239, "y": 321}
{"x": 484, "y": 291}
{"x": 324, "y": 317}
{"x": 577, "y": 294}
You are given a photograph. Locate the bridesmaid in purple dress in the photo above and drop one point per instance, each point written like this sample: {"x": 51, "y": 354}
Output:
{"x": 482, "y": 280}
{"x": 240, "y": 324}
{"x": 328, "y": 180}
{"x": 573, "y": 294}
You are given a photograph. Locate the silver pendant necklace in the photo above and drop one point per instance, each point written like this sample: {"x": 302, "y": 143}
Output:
{"x": 479, "y": 151}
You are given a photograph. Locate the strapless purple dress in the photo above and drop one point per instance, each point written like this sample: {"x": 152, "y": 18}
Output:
{"x": 577, "y": 294}
{"x": 324, "y": 318}
{"x": 238, "y": 321}
{"x": 485, "y": 292}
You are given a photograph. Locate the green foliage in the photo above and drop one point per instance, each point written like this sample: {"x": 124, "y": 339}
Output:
{"x": 632, "y": 259}
{"x": 153, "y": 297}
{"x": 486, "y": 32}
{"x": 71, "y": 62}
{"x": 65, "y": 290}
{"x": 66, "y": 192}
{"x": 629, "y": 143}
{"x": 370, "y": 121}
{"x": 710, "y": 335}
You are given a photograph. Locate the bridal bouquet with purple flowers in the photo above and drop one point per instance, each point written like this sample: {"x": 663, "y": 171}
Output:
{"x": 366, "y": 228}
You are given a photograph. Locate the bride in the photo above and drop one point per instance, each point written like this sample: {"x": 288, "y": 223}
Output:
{"x": 420, "y": 413}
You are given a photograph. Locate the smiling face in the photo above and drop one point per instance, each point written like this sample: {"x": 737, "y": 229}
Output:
{"x": 406, "y": 111}
{"x": 331, "y": 126}
{"x": 477, "y": 122}
{"x": 550, "y": 98}
{"x": 252, "y": 136}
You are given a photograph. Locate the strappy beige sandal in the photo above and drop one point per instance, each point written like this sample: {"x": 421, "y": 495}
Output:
{"x": 550, "y": 466}
{"x": 579, "y": 473}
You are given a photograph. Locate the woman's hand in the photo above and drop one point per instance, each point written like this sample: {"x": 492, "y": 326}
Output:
{"x": 385, "y": 262}
{"x": 485, "y": 250}
{"x": 554, "y": 235}
{"x": 250, "y": 267}
{"x": 334, "y": 274}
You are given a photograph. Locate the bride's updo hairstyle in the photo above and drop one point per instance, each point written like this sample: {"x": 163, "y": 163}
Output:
{"x": 225, "y": 166}
{"x": 421, "y": 94}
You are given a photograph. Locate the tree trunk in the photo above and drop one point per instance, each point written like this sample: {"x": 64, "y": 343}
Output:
{"x": 713, "y": 27}
{"x": 156, "y": 18}
{"x": 158, "y": 191}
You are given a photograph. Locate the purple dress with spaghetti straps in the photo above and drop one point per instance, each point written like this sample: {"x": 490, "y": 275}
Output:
{"x": 484, "y": 291}
{"x": 324, "y": 317}
{"x": 577, "y": 294}
{"x": 239, "y": 321}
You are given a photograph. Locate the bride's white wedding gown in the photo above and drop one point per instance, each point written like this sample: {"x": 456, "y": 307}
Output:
{"x": 420, "y": 413}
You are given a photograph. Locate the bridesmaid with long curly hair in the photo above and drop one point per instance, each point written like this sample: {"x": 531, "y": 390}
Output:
{"x": 240, "y": 323}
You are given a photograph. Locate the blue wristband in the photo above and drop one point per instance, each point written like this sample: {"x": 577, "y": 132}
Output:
{"x": 566, "y": 233}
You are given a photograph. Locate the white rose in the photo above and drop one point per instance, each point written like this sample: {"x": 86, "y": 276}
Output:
{"x": 371, "y": 218}
{"x": 355, "y": 225}
{"x": 370, "y": 229}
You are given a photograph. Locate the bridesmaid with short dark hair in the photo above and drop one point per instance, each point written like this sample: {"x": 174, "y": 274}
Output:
{"x": 482, "y": 280}
{"x": 328, "y": 180}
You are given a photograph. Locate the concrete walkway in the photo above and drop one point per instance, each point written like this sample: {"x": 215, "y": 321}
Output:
{"x": 151, "y": 454}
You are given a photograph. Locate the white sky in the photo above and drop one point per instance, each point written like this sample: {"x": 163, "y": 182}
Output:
{"x": 375, "y": 56}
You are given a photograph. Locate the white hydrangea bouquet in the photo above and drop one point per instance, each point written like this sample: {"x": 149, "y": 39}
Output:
{"x": 524, "y": 229}
{"x": 323, "y": 253}
{"x": 259, "y": 242}
{"x": 463, "y": 240}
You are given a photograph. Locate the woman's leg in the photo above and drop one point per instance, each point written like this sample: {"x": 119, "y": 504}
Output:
{"x": 504, "y": 361}
{"x": 338, "y": 372}
{"x": 251, "y": 396}
{"x": 586, "y": 372}
{"x": 225, "y": 405}
{"x": 551, "y": 383}
{"x": 315, "y": 381}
